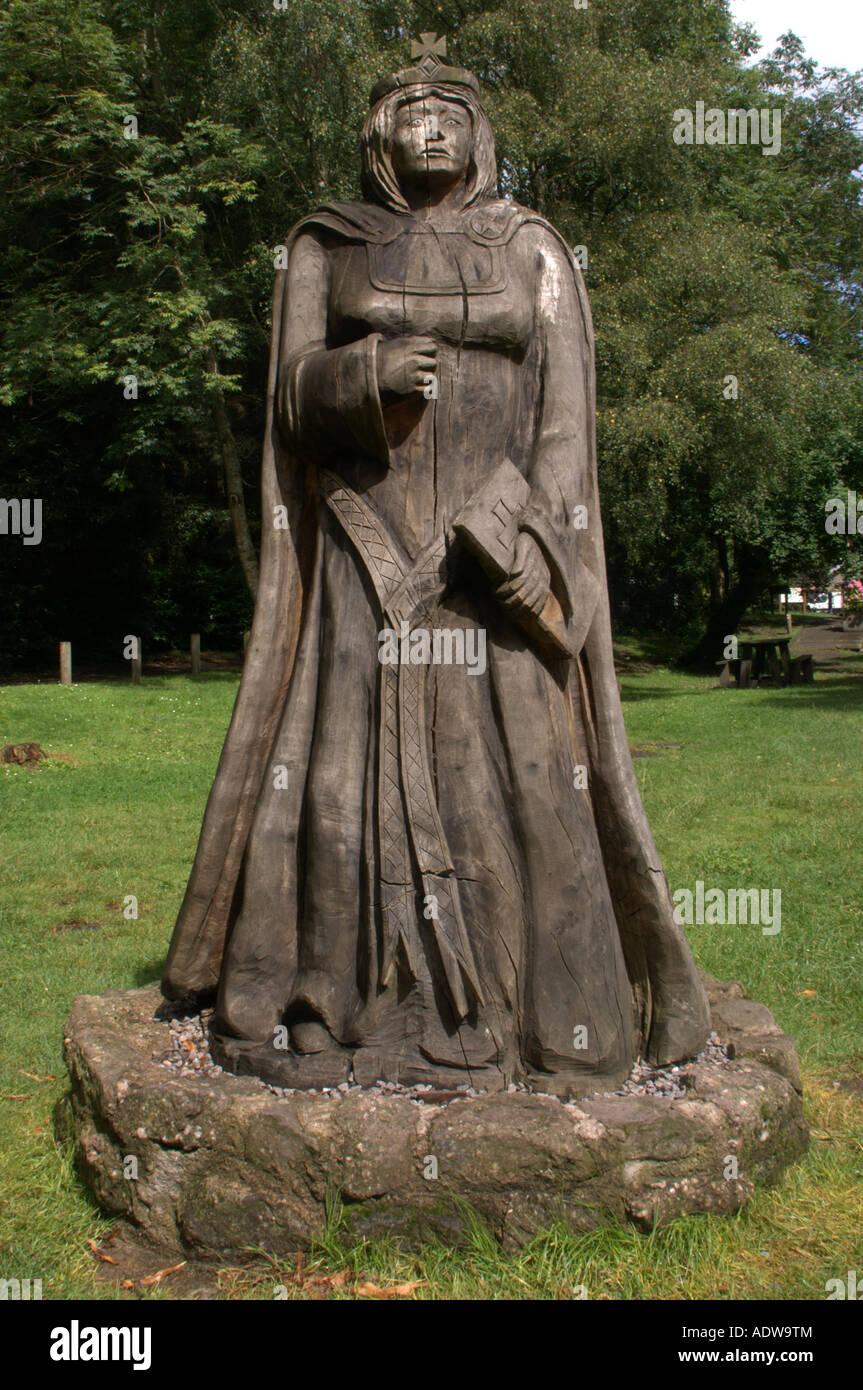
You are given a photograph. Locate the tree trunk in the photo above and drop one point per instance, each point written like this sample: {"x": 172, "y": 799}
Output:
{"x": 234, "y": 489}
{"x": 753, "y": 574}
{"x": 718, "y": 572}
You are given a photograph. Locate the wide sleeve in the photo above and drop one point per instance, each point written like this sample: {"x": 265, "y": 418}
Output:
{"x": 327, "y": 396}
{"x": 559, "y": 470}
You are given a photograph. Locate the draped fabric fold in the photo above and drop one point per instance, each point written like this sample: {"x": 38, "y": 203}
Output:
{"x": 517, "y": 369}
{"x": 408, "y": 822}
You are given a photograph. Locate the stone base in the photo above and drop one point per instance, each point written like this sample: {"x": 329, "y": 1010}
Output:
{"x": 214, "y": 1163}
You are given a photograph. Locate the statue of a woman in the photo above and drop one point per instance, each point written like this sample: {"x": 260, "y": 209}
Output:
{"x": 425, "y": 858}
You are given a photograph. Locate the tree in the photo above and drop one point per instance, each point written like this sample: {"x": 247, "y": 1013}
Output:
{"x": 725, "y": 284}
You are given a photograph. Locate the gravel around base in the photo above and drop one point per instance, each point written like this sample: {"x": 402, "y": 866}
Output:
{"x": 189, "y": 1051}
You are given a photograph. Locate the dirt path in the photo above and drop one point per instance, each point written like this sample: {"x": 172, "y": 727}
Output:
{"x": 824, "y": 639}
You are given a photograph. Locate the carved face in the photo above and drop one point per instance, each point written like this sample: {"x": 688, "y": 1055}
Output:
{"x": 432, "y": 141}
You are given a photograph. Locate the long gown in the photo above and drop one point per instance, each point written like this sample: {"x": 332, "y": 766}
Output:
{"x": 423, "y": 870}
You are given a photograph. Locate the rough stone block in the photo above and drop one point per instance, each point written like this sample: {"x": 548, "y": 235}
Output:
{"x": 224, "y": 1163}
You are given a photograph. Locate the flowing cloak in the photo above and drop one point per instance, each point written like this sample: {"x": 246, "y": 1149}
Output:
{"x": 671, "y": 1006}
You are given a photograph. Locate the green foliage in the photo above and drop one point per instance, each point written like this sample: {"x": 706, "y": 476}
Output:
{"x": 153, "y": 258}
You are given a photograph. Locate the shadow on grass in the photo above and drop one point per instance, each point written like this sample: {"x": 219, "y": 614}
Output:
{"x": 117, "y": 676}
{"x": 164, "y": 680}
{"x": 844, "y": 694}
{"x": 632, "y": 695}
{"x": 149, "y": 974}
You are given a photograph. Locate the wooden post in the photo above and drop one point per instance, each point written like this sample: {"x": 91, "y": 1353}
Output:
{"x": 136, "y": 664}
{"x": 65, "y": 663}
{"x": 788, "y": 621}
{"x": 195, "y": 652}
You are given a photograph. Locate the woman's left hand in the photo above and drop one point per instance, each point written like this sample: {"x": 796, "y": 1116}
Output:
{"x": 527, "y": 587}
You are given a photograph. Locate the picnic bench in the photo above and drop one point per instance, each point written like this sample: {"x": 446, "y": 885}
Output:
{"x": 766, "y": 661}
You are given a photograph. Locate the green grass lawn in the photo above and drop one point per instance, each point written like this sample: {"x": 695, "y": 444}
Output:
{"x": 743, "y": 789}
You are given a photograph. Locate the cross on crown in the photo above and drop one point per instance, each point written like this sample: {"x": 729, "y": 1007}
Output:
{"x": 430, "y": 49}
{"x": 428, "y": 53}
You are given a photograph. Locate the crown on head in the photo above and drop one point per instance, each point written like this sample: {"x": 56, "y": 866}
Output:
{"x": 429, "y": 50}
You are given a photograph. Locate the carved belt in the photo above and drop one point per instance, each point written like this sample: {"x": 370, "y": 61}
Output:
{"x": 409, "y": 827}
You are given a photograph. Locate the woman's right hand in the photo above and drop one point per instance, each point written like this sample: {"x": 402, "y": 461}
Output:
{"x": 404, "y": 365}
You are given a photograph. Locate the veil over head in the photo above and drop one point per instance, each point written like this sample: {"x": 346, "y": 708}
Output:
{"x": 380, "y": 182}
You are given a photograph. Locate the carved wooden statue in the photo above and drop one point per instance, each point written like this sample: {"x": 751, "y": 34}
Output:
{"x": 424, "y": 858}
